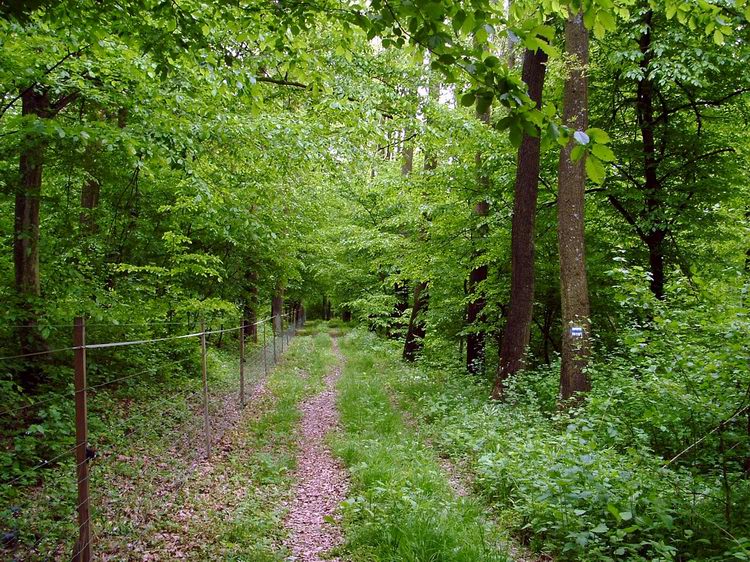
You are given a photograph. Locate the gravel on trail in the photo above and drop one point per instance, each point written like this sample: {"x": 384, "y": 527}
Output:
{"x": 321, "y": 481}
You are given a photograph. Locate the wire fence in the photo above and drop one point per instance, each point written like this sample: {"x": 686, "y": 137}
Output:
{"x": 115, "y": 471}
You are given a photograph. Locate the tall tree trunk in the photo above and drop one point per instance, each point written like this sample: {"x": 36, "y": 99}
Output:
{"x": 89, "y": 201}
{"x": 576, "y": 324}
{"x": 401, "y": 288}
{"x": 277, "y": 307}
{"x": 521, "y": 306}
{"x": 475, "y": 339}
{"x": 416, "y": 332}
{"x": 26, "y": 229}
{"x": 407, "y": 161}
{"x": 655, "y": 235}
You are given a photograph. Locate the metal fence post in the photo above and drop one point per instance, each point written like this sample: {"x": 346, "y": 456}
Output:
{"x": 204, "y": 368}
{"x": 265, "y": 355}
{"x": 83, "y": 546}
{"x": 242, "y": 365}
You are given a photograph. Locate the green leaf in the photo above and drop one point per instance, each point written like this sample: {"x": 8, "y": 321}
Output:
{"x": 614, "y": 511}
{"x": 603, "y": 152}
{"x": 595, "y": 169}
{"x": 577, "y": 153}
{"x": 599, "y": 136}
{"x": 468, "y": 99}
{"x": 600, "y": 528}
{"x": 516, "y": 136}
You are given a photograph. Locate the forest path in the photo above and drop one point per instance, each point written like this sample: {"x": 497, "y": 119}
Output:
{"x": 321, "y": 481}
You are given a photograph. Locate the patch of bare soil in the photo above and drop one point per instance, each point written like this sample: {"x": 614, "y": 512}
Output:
{"x": 321, "y": 482}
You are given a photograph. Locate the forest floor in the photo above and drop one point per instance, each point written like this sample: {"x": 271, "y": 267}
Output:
{"x": 334, "y": 468}
{"x": 327, "y": 462}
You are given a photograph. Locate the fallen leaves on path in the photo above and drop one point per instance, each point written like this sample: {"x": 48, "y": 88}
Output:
{"x": 321, "y": 481}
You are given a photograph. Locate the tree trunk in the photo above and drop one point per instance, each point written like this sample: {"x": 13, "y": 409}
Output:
{"x": 521, "y": 306}
{"x": 655, "y": 242}
{"x": 570, "y": 216}
{"x": 26, "y": 231}
{"x": 416, "y": 331}
{"x": 407, "y": 162}
{"x": 277, "y": 307}
{"x": 475, "y": 339}
{"x": 401, "y": 289}
{"x": 655, "y": 235}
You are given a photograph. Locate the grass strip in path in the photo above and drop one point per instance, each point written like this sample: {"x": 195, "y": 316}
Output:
{"x": 266, "y": 461}
{"x": 321, "y": 483}
{"x": 401, "y": 505}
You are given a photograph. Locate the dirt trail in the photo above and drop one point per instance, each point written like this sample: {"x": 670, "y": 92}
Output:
{"x": 321, "y": 482}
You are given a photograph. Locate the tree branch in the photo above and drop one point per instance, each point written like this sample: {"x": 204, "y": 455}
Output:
{"x": 626, "y": 215}
{"x": 49, "y": 70}
{"x": 705, "y": 103}
{"x": 694, "y": 160}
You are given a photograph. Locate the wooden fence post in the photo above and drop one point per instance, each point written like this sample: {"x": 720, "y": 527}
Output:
{"x": 242, "y": 364}
{"x": 204, "y": 368}
{"x": 83, "y": 546}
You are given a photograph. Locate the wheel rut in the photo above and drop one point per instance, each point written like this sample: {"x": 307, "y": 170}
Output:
{"x": 321, "y": 481}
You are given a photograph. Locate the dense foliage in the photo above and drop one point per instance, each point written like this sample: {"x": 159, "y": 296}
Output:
{"x": 167, "y": 163}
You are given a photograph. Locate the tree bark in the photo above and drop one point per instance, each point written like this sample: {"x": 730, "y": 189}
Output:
{"x": 475, "y": 339}
{"x": 521, "y": 306}
{"x": 576, "y": 324}
{"x": 26, "y": 231}
{"x": 277, "y": 307}
{"x": 655, "y": 235}
{"x": 416, "y": 332}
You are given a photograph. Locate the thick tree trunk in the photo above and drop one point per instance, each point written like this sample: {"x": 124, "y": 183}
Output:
{"x": 655, "y": 235}
{"x": 26, "y": 230}
{"x": 475, "y": 339}
{"x": 570, "y": 216}
{"x": 521, "y": 306}
{"x": 416, "y": 331}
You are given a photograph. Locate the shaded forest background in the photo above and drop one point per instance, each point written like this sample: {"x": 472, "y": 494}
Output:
{"x": 176, "y": 162}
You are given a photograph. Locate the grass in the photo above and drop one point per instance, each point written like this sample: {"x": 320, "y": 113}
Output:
{"x": 401, "y": 506}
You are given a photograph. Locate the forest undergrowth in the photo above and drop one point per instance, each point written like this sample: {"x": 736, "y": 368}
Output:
{"x": 589, "y": 483}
